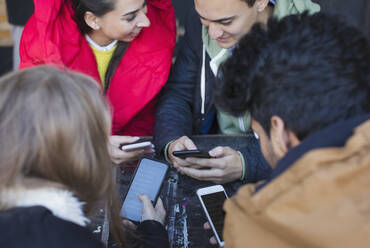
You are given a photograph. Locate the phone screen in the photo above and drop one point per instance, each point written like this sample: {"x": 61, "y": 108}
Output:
{"x": 214, "y": 204}
{"x": 147, "y": 180}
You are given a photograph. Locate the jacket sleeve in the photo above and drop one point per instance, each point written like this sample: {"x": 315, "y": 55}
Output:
{"x": 256, "y": 167}
{"x": 47, "y": 10}
{"x": 174, "y": 112}
{"x": 44, "y": 33}
{"x": 152, "y": 234}
{"x": 166, "y": 13}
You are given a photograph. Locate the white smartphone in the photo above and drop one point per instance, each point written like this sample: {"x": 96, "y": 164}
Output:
{"x": 212, "y": 199}
{"x": 136, "y": 146}
{"x": 148, "y": 180}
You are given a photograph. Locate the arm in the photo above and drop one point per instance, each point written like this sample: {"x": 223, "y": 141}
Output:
{"x": 45, "y": 32}
{"x": 47, "y": 10}
{"x": 175, "y": 108}
{"x": 226, "y": 165}
{"x": 166, "y": 13}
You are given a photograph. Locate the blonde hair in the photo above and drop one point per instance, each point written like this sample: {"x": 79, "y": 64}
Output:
{"x": 54, "y": 129}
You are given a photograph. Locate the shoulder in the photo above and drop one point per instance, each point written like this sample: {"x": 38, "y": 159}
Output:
{"x": 38, "y": 227}
{"x": 193, "y": 26}
{"x": 193, "y": 31}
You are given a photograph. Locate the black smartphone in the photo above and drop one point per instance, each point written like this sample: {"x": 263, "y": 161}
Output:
{"x": 191, "y": 153}
{"x": 148, "y": 179}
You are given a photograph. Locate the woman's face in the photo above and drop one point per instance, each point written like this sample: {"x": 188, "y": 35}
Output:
{"x": 123, "y": 23}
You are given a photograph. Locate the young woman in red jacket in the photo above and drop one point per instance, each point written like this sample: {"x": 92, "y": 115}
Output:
{"x": 125, "y": 45}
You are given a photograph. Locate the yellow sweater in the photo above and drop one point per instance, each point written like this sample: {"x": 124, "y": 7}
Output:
{"x": 103, "y": 55}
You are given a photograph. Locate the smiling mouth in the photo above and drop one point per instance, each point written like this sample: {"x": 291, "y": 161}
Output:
{"x": 223, "y": 39}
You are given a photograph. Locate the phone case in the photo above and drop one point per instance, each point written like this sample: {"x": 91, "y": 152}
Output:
{"x": 191, "y": 153}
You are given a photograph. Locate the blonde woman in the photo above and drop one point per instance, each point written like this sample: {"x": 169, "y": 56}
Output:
{"x": 55, "y": 166}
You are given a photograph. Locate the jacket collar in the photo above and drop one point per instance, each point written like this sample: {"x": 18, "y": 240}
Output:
{"x": 62, "y": 203}
{"x": 334, "y": 135}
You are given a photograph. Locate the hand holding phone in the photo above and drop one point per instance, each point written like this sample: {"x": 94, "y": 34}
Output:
{"x": 117, "y": 155}
{"x": 147, "y": 180}
{"x": 212, "y": 200}
{"x": 149, "y": 212}
{"x": 182, "y": 143}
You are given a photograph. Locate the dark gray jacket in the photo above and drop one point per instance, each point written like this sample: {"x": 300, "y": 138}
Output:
{"x": 179, "y": 107}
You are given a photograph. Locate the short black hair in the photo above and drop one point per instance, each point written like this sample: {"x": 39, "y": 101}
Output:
{"x": 311, "y": 71}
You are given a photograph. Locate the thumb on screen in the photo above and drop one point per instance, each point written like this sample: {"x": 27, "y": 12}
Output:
{"x": 147, "y": 212}
{"x": 145, "y": 201}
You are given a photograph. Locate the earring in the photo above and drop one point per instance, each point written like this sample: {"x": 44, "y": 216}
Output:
{"x": 96, "y": 26}
{"x": 260, "y": 7}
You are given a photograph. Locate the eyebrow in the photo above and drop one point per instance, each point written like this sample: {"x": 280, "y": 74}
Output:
{"x": 218, "y": 20}
{"x": 135, "y": 11}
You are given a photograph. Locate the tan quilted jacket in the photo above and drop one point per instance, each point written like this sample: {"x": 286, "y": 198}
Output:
{"x": 322, "y": 200}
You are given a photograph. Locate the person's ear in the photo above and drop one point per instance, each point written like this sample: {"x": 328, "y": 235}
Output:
{"x": 261, "y": 4}
{"x": 92, "y": 20}
{"x": 280, "y": 137}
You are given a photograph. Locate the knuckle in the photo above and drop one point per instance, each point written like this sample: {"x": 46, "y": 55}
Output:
{"x": 219, "y": 174}
{"x": 223, "y": 166}
{"x": 201, "y": 176}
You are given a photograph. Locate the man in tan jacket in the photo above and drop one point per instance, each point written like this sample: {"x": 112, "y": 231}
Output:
{"x": 306, "y": 82}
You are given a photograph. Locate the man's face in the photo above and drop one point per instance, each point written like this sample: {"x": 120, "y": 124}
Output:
{"x": 265, "y": 143}
{"x": 227, "y": 20}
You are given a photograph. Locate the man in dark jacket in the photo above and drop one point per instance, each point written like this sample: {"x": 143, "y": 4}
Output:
{"x": 186, "y": 106}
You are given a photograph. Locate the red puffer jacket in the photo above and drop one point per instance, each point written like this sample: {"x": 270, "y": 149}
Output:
{"x": 52, "y": 37}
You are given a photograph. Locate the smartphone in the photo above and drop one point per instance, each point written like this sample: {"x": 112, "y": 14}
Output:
{"x": 138, "y": 145}
{"x": 191, "y": 153}
{"x": 147, "y": 179}
{"x": 212, "y": 200}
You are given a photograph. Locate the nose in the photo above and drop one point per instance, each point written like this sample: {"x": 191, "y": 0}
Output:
{"x": 143, "y": 20}
{"x": 214, "y": 31}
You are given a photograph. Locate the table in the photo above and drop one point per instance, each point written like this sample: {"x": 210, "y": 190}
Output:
{"x": 185, "y": 216}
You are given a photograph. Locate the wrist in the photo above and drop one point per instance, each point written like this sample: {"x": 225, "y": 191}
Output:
{"x": 166, "y": 150}
{"x": 243, "y": 166}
